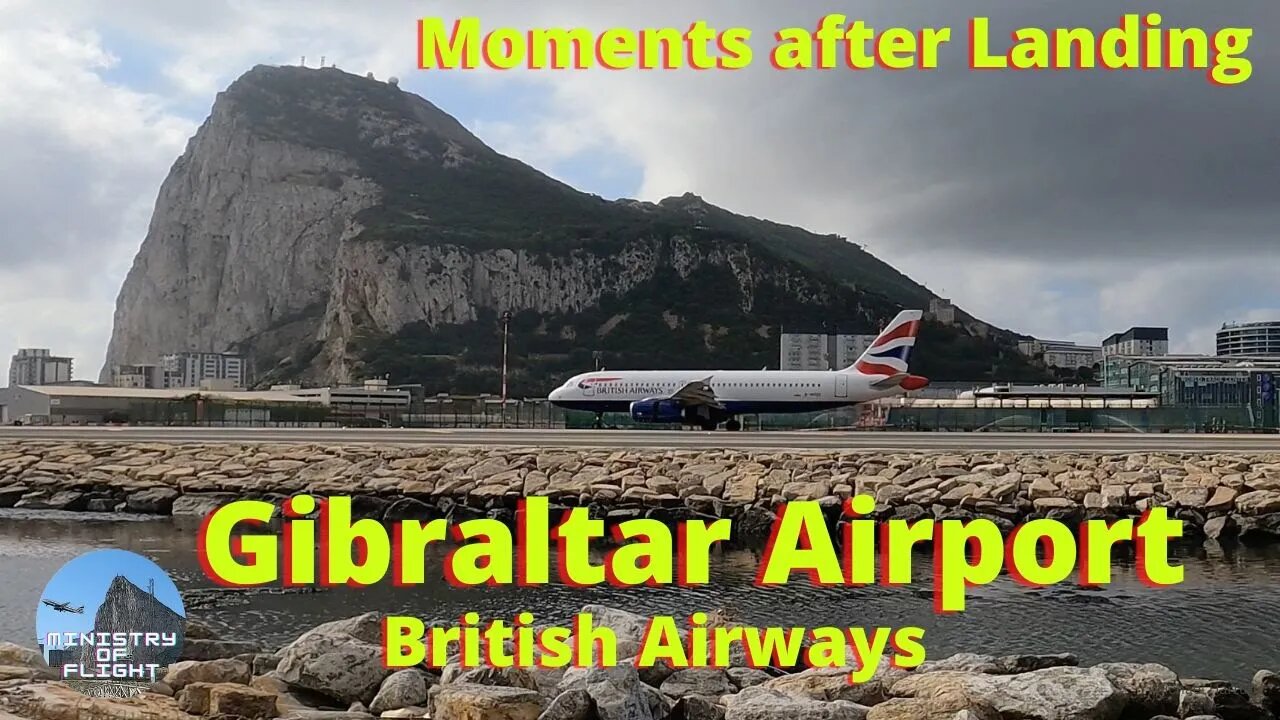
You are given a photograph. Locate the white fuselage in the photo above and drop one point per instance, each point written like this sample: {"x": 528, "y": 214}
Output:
{"x": 740, "y": 391}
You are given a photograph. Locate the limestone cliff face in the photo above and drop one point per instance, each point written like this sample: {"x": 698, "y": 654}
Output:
{"x": 331, "y": 227}
{"x": 127, "y": 608}
{"x": 244, "y": 236}
{"x": 375, "y": 287}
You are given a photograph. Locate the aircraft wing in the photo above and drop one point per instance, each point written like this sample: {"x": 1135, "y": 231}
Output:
{"x": 698, "y": 392}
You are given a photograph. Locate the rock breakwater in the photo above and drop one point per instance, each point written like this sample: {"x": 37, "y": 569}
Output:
{"x": 1217, "y": 495}
{"x": 335, "y": 671}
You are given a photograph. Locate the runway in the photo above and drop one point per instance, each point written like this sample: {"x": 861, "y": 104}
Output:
{"x": 694, "y": 440}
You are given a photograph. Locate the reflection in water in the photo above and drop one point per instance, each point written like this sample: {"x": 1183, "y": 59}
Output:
{"x": 1222, "y": 622}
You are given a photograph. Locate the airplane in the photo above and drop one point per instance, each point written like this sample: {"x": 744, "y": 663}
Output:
{"x": 64, "y": 607}
{"x": 706, "y": 399}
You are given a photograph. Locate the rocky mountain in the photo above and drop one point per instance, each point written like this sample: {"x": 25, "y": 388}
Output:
{"x": 127, "y": 608}
{"x": 334, "y": 227}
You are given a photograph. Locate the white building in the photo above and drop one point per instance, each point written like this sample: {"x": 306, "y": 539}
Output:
{"x": 1134, "y": 342}
{"x": 804, "y": 351}
{"x": 849, "y": 348}
{"x": 1138, "y": 341}
{"x": 194, "y": 369}
{"x": 373, "y": 400}
{"x": 1254, "y": 338}
{"x": 1061, "y": 354}
{"x": 37, "y": 366}
{"x": 818, "y": 351}
{"x": 941, "y": 310}
{"x": 138, "y": 376}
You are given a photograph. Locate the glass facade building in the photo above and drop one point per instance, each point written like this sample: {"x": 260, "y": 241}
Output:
{"x": 1202, "y": 381}
{"x": 1258, "y": 338}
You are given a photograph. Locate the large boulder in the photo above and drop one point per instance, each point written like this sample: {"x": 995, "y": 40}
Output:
{"x": 182, "y": 674}
{"x": 18, "y": 656}
{"x": 1149, "y": 689}
{"x": 23, "y": 663}
{"x": 629, "y": 628}
{"x": 571, "y": 705}
{"x": 833, "y": 684}
{"x": 743, "y": 678}
{"x": 406, "y": 688}
{"x": 341, "y": 660}
{"x": 515, "y": 677}
{"x": 707, "y": 682}
{"x": 618, "y": 694}
{"x": 761, "y": 703}
{"x": 934, "y": 709}
{"x": 1057, "y": 693}
{"x": 194, "y": 698}
{"x": 228, "y": 699}
{"x": 1266, "y": 691}
{"x": 466, "y": 701}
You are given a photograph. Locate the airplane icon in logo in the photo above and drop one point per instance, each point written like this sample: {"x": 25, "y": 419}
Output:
{"x": 64, "y": 607}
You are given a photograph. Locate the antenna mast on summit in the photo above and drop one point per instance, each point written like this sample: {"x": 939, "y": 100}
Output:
{"x": 151, "y": 587}
{"x": 321, "y": 61}
{"x": 304, "y": 61}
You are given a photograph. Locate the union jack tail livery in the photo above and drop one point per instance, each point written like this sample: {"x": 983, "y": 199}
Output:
{"x": 889, "y": 355}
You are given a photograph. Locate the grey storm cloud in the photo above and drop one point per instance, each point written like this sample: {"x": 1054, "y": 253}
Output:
{"x": 1035, "y": 164}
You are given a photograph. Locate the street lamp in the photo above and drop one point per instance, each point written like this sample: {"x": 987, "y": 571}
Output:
{"x": 506, "y": 322}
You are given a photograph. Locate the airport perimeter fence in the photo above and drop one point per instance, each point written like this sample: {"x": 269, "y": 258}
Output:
{"x": 1230, "y": 419}
{"x": 1203, "y": 419}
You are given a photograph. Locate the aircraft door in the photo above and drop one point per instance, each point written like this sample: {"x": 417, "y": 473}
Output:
{"x": 842, "y": 385}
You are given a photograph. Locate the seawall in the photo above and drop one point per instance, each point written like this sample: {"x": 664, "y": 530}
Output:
{"x": 1221, "y": 495}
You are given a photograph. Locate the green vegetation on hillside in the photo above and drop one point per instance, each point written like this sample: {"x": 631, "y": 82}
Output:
{"x": 546, "y": 349}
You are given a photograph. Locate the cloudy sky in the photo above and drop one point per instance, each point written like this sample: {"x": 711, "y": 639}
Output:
{"x": 1063, "y": 204}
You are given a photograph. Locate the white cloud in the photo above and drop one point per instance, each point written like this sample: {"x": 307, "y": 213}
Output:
{"x": 1194, "y": 298}
{"x": 81, "y": 156}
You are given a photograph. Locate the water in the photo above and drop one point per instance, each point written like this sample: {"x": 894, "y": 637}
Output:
{"x": 1222, "y": 622}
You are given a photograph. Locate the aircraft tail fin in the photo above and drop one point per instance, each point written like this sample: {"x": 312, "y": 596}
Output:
{"x": 889, "y": 355}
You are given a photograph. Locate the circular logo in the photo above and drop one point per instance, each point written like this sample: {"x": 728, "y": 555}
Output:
{"x": 110, "y": 622}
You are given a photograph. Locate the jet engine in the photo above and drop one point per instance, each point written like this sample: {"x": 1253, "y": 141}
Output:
{"x": 657, "y": 411}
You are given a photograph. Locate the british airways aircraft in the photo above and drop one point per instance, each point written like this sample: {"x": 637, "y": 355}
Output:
{"x": 706, "y": 398}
